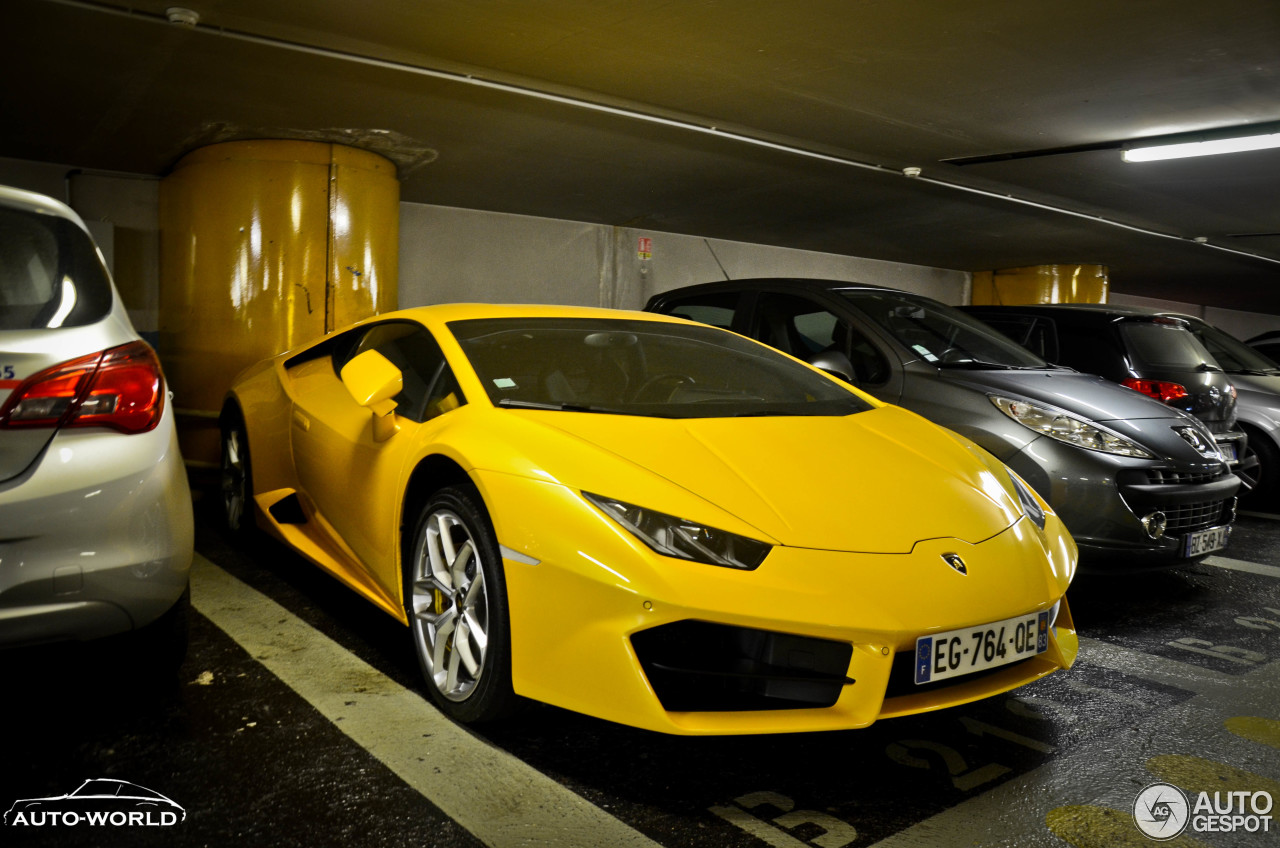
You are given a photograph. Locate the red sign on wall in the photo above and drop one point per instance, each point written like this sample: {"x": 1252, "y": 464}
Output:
{"x": 644, "y": 249}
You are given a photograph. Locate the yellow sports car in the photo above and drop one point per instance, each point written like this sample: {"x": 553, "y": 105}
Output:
{"x": 647, "y": 520}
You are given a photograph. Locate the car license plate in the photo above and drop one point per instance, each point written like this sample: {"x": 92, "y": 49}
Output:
{"x": 1228, "y": 450}
{"x": 971, "y": 649}
{"x": 1205, "y": 541}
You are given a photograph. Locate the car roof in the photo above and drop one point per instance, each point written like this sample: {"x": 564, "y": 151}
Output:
{"x": 806, "y": 284}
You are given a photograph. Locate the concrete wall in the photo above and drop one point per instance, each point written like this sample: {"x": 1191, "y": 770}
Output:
{"x": 122, "y": 212}
{"x": 449, "y": 254}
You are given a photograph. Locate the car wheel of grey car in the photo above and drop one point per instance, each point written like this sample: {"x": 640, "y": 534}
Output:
{"x": 237, "y": 475}
{"x": 455, "y": 597}
{"x": 1260, "y": 476}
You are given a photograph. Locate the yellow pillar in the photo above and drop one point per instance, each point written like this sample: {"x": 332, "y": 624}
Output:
{"x": 1041, "y": 284}
{"x": 265, "y": 245}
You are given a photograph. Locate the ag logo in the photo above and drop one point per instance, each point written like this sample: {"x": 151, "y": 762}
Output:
{"x": 1161, "y": 811}
{"x": 1192, "y": 436}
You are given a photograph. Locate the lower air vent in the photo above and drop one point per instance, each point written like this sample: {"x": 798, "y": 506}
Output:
{"x": 696, "y": 666}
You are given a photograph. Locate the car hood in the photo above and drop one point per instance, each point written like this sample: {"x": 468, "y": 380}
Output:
{"x": 876, "y": 481}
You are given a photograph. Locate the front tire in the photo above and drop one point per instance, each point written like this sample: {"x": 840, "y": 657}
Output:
{"x": 456, "y": 600}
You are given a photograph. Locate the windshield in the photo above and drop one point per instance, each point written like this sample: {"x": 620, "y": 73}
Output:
{"x": 1164, "y": 343}
{"x": 941, "y": 334}
{"x": 637, "y": 367}
{"x": 1233, "y": 355}
{"x": 50, "y": 275}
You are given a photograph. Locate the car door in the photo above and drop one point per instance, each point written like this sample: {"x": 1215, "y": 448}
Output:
{"x": 352, "y": 478}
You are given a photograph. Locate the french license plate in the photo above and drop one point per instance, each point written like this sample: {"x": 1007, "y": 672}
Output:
{"x": 1205, "y": 541}
{"x": 1228, "y": 450}
{"x": 957, "y": 652}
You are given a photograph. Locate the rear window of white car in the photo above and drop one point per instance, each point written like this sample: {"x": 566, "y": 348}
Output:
{"x": 50, "y": 273}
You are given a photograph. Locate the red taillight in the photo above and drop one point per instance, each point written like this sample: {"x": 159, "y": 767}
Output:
{"x": 121, "y": 388}
{"x": 1161, "y": 390}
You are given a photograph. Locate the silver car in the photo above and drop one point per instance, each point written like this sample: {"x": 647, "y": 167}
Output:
{"x": 1257, "y": 382}
{"x": 96, "y": 526}
{"x": 1139, "y": 484}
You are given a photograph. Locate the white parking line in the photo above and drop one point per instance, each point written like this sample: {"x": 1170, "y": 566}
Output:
{"x": 501, "y": 800}
{"x": 1241, "y": 565}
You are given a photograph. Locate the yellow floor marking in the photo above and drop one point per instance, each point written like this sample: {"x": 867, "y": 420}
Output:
{"x": 1264, "y": 731}
{"x": 1195, "y": 774}
{"x": 1085, "y": 826}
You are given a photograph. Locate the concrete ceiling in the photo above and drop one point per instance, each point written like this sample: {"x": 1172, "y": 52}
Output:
{"x": 786, "y": 123}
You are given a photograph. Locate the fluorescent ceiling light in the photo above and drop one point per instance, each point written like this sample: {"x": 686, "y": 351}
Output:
{"x": 1201, "y": 148}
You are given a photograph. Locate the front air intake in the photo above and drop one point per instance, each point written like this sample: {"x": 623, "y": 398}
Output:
{"x": 697, "y": 666}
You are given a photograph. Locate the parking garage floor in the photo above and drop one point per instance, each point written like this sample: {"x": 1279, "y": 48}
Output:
{"x": 298, "y": 720}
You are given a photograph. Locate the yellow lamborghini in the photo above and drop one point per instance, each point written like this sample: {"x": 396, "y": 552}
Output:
{"x": 647, "y": 520}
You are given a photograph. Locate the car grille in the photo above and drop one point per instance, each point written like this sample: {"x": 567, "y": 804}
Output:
{"x": 697, "y": 666}
{"x": 1174, "y": 477}
{"x": 1188, "y": 518}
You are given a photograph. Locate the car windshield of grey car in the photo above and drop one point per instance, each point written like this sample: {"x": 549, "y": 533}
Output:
{"x": 1233, "y": 355}
{"x": 50, "y": 275}
{"x": 941, "y": 335}
{"x": 630, "y": 367}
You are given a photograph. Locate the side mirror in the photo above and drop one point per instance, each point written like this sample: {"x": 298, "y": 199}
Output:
{"x": 373, "y": 381}
{"x": 835, "y": 363}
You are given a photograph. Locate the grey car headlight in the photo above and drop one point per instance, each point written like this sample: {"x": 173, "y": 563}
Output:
{"x": 676, "y": 537}
{"x": 1030, "y": 505}
{"x": 1065, "y": 427}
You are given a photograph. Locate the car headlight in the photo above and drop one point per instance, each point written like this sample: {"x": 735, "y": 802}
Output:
{"x": 675, "y": 537}
{"x": 1065, "y": 427}
{"x": 1030, "y": 505}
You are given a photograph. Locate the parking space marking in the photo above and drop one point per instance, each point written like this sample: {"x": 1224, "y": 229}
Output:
{"x": 1264, "y": 731}
{"x": 1193, "y": 678}
{"x": 1084, "y": 792}
{"x": 1086, "y": 826}
{"x": 1198, "y": 774}
{"x": 1241, "y": 565}
{"x": 501, "y": 800}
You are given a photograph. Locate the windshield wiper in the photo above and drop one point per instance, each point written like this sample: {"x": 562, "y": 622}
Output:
{"x": 513, "y": 403}
{"x": 978, "y": 364}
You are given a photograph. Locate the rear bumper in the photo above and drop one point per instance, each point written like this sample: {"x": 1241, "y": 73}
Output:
{"x": 95, "y": 538}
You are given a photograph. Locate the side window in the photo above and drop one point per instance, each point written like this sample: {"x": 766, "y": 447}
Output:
{"x": 714, "y": 309}
{"x": 445, "y": 395}
{"x": 430, "y": 388}
{"x": 1091, "y": 350}
{"x": 803, "y": 328}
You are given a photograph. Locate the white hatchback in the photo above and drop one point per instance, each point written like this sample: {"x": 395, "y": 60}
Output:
{"x": 96, "y": 527}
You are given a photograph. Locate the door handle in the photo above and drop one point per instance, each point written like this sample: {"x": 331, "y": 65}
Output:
{"x": 301, "y": 420}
